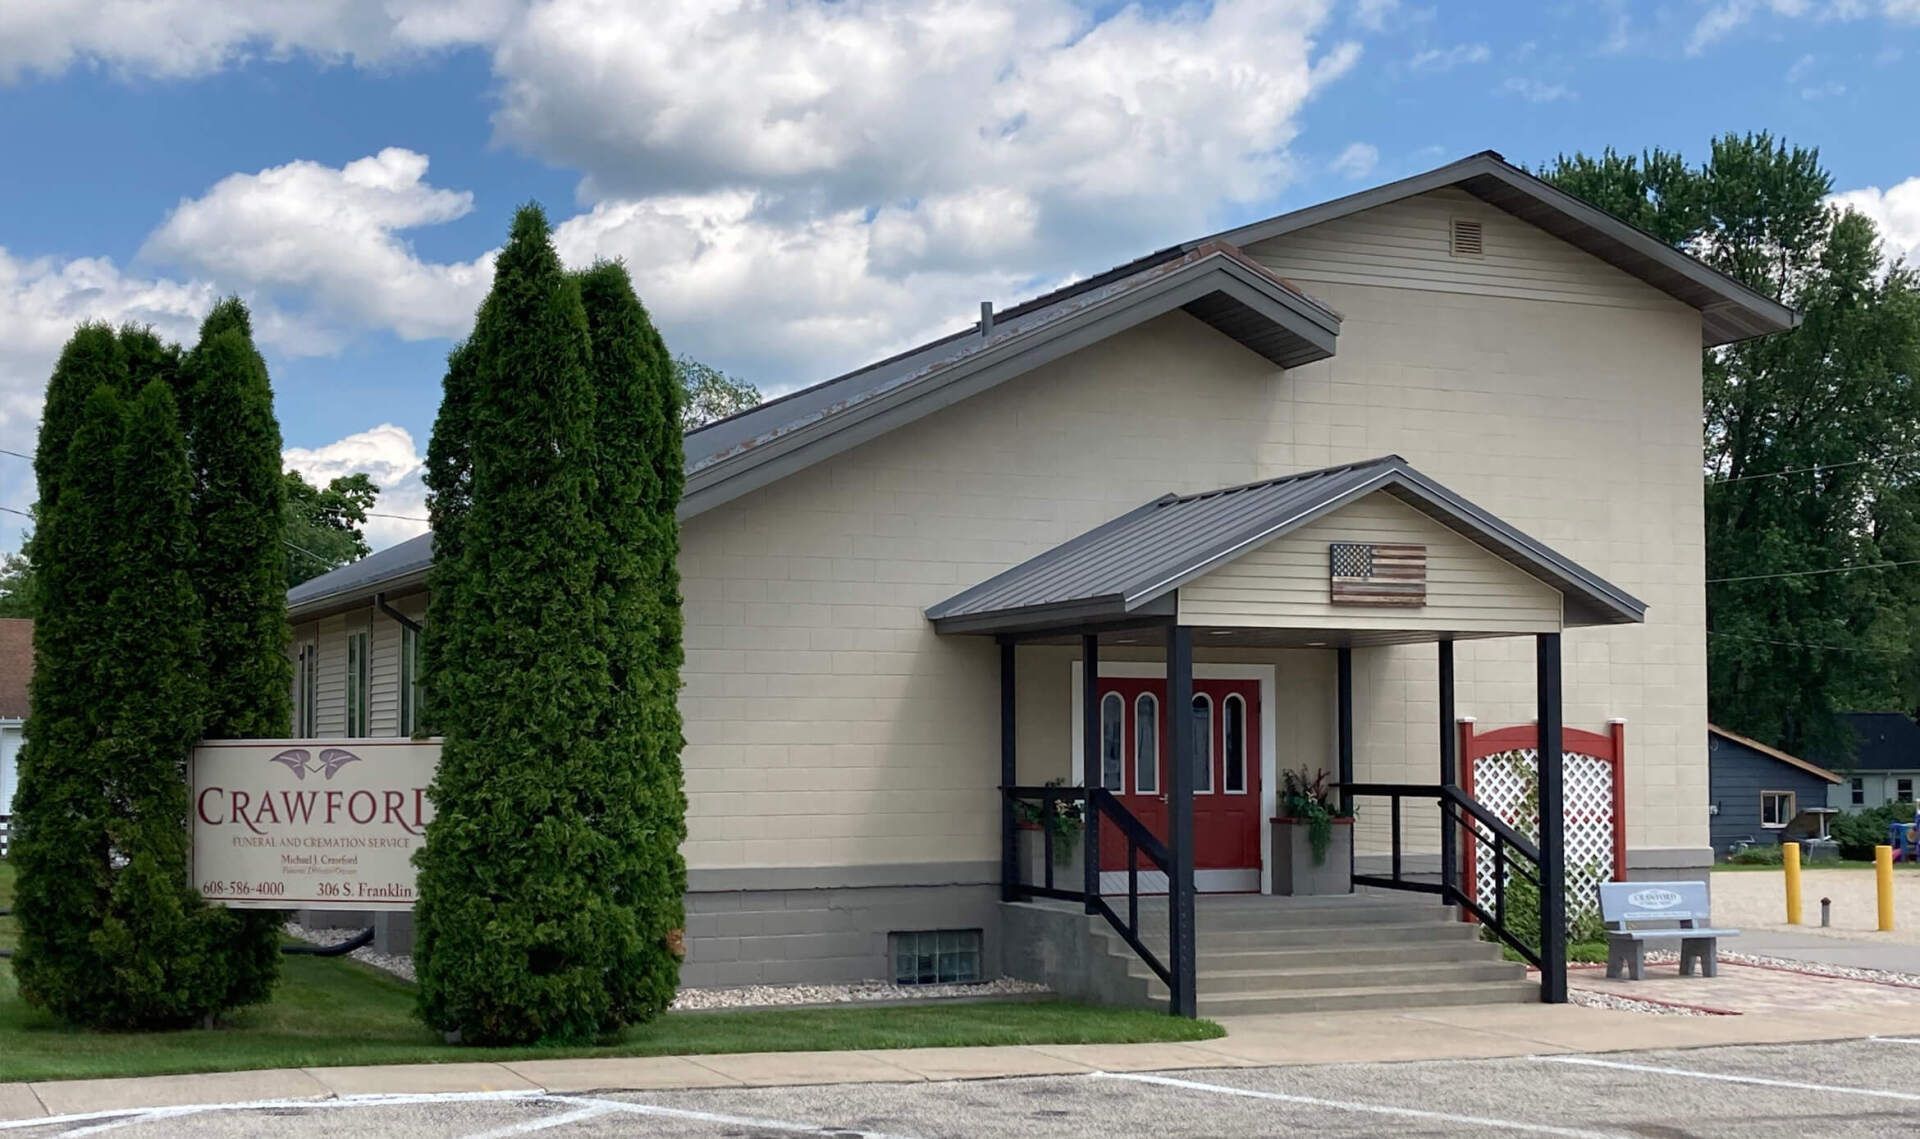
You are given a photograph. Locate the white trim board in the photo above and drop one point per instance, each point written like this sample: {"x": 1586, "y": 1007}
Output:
{"x": 1206, "y": 881}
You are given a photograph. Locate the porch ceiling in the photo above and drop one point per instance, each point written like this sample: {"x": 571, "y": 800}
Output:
{"x": 1129, "y": 571}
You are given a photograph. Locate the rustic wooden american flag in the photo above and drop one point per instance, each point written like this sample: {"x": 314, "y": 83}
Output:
{"x": 1363, "y": 573}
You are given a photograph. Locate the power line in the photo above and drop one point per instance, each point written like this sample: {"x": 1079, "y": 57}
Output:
{"x": 1817, "y": 467}
{"x": 327, "y": 562}
{"x": 1808, "y": 644}
{"x": 21, "y": 513}
{"x": 401, "y": 517}
{"x": 1814, "y": 572}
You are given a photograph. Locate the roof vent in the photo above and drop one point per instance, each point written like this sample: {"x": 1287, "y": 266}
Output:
{"x": 1468, "y": 238}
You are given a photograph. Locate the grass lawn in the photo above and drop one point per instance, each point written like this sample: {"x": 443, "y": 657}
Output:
{"x": 337, "y": 1011}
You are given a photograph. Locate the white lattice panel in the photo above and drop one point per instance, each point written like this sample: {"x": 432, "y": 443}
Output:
{"x": 1507, "y": 783}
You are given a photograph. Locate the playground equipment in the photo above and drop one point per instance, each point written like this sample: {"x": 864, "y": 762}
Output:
{"x": 1904, "y": 838}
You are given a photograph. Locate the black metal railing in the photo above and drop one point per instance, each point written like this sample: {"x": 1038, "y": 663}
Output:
{"x": 1140, "y": 842}
{"x": 1462, "y": 818}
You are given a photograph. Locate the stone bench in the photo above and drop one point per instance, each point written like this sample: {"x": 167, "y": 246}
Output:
{"x": 1624, "y": 905}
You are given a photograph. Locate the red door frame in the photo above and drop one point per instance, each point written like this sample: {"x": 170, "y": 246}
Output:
{"x": 1610, "y": 748}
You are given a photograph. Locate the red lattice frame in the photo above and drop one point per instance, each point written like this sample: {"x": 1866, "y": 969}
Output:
{"x": 1610, "y": 748}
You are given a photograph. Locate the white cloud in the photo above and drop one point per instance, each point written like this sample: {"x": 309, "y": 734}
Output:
{"x": 181, "y": 38}
{"x": 325, "y": 242}
{"x": 388, "y": 456}
{"x": 1356, "y": 161}
{"x": 1372, "y": 15}
{"x": 1724, "y": 18}
{"x": 1446, "y": 59}
{"x": 1537, "y": 90}
{"x": 1895, "y": 211}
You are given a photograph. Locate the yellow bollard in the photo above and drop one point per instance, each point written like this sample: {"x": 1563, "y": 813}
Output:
{"x": 1883, "y": 885}
{"x": 1790, "y": 861}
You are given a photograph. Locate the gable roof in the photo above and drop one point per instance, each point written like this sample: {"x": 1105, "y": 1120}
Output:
{"x": 1773, "y": 753}
{"x": 1888, "y": 741}
{"x": 1212, "y": 281}
{"x": 396, "y": 567}
{"x": 1124, "y": 567}
{"x": 1729, "y": 310}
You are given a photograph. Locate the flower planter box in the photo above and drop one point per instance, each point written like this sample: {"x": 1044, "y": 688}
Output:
{"x": 1294, "y": 871}
{"x": 1033, "y": 866}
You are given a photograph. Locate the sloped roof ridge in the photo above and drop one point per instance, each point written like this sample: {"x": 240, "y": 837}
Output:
{"x": 1258, "y": 484}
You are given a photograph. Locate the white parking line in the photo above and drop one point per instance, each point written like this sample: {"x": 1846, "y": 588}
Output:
{"x": 782, "y": 1125}
{"x": 1368, "y": 1108}
{"x": 1723, "y": 1077}
{"x": 543, "y": 1122}
{"x": 1895, "y": 1039}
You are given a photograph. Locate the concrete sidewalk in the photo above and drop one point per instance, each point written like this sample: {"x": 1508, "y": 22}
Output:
{"x": 1851, "y": 949}
{"x": 1423, "y": 1034}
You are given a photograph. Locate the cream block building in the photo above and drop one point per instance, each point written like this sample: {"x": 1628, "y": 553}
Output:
{"x": 1532, "y": 365}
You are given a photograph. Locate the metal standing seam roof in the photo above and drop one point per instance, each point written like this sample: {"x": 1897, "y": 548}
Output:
{"x": 382, "y": 570}
{"x": 1122, "y": 566}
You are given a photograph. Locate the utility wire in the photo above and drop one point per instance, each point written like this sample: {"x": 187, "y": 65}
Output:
{"x": 1793, "y": 471}
{"x": 1814, "y": 572}
{"x": 401, "y": 517}
{"x": 327, "y": 562}
{"x": 1808, "y": 644}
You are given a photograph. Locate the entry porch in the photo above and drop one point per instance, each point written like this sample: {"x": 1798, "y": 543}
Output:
{"x": 1171, "y": 664}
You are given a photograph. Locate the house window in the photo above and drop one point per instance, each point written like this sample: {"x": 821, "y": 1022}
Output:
{"x": 1233, "y": 750}
{"x": 1903, "y": 791}
{"x": 409, "y": 681}
{"x": 1146, "y": 745}
{"x": 1112, "y": 766}
{"x": 1857, "y": 790}
{"x": 306, "y": 690}
{"x": 1776, "y": 808}
{"x": 935, "y": 956}
{"x": 358, "y": 681}
{"x": 1202, "y": 745}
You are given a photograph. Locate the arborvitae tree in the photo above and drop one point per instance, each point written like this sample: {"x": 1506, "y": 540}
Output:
{"x": 112, "y": 932}
{"x": 519, "y": 932}
{"x": 61, "y": 807}
{"x": 240, "y": 571}
{"x": 449, "y": 480}
{"x": 638, "y": 418}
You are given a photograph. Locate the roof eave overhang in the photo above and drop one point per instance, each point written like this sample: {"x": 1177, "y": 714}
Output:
{"x": 359, "y": 596}
{"x": 1109, "y": 612}
{"x": 1729, "y": 310}
{"x": 1218, "y": 288}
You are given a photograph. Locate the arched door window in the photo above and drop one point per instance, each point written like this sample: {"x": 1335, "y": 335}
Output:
{"x": 1202, "y": 728}
{"x": 1112, "y": 765}
{"x": 1146, "y": 745}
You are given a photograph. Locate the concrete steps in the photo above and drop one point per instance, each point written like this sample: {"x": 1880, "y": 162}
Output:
{"x": 1271, "y": 955}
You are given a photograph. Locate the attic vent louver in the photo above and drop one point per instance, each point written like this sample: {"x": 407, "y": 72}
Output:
{"x": 1468, "y": 238}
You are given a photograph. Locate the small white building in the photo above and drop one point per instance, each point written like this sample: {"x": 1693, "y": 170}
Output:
{"x": 16, "y": 676}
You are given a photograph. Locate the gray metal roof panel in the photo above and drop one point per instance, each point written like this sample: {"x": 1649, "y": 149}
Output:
{"x": 1145, "y": 554}
{"x": 366, "y": 575}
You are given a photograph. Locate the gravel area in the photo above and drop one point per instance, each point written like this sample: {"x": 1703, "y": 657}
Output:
{"x": 1756, "y": 899}
{"x": 766, "y": 996}
{"x": 1823, "y": 969}
{"x": 399, "y": 964}
{"x": 747, "y": 996}
{"x": 1592, "y": 999}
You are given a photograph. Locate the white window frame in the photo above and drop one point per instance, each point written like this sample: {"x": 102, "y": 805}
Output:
{"x": 1793, "y": 808}
{"x": 359, "y": 682}
{"x": 306, "y": 690}
{"x": 1857, "y": 792}
{"x": 409, "y": 681}
{"x": 1146, "y": 700}
{"x": 1212, "y": 786}
{"x": 1903, "y": 790}
{"x": 1246, "y": 761}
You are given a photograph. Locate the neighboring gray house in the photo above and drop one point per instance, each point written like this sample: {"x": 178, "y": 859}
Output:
{"x": 1886, "y": 762}
{"x": 1761, "y": 795}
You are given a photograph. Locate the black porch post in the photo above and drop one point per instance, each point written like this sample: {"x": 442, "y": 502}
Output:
{"x": 1343, "y": 727}
{"x": 1009, "y": 776}
{"x": 1449, "y": 769}
{"x": 1180, "y": 933}
{"x": 1090, "y": 766}
{"x": 1553, "y": 824}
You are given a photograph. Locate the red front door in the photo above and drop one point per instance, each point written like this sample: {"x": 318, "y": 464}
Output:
{"x": 1134, "y": 749}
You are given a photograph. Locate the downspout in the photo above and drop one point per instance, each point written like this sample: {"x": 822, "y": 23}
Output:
{"x": 380, "y": 603}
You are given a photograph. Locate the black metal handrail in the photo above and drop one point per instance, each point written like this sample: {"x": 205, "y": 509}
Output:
{"x": 1512, "y": 854}
{"x": 1139, "y": 841}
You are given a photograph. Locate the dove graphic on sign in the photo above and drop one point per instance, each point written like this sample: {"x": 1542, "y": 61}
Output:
{"x": 300, "y": 761}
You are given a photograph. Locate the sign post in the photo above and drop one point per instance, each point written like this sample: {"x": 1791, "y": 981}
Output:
{"x": 309, "y": 824}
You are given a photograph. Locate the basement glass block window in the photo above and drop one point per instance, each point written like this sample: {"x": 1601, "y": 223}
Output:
{"x": 935, "y": 956}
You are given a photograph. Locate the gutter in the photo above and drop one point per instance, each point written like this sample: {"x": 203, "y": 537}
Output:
{"x": 380, "y": 603}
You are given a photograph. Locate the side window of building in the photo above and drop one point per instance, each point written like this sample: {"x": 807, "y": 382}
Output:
{"x": 1857, "y": 789}
{"x": 1903, "y": 790}
{"x": 306, "y": 689}
{"x": 358, "y": 678}
{"x": 1776, "y": 808}
{"x": 409, "y": 681}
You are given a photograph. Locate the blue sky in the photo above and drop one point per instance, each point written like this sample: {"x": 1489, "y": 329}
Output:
{"x": 803, "y": 186}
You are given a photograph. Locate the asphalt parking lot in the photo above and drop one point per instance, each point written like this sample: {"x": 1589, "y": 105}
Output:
{"x": 1866, "y": 1087}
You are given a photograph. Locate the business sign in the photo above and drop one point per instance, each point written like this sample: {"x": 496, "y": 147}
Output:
{"x": 310, "y": 824}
